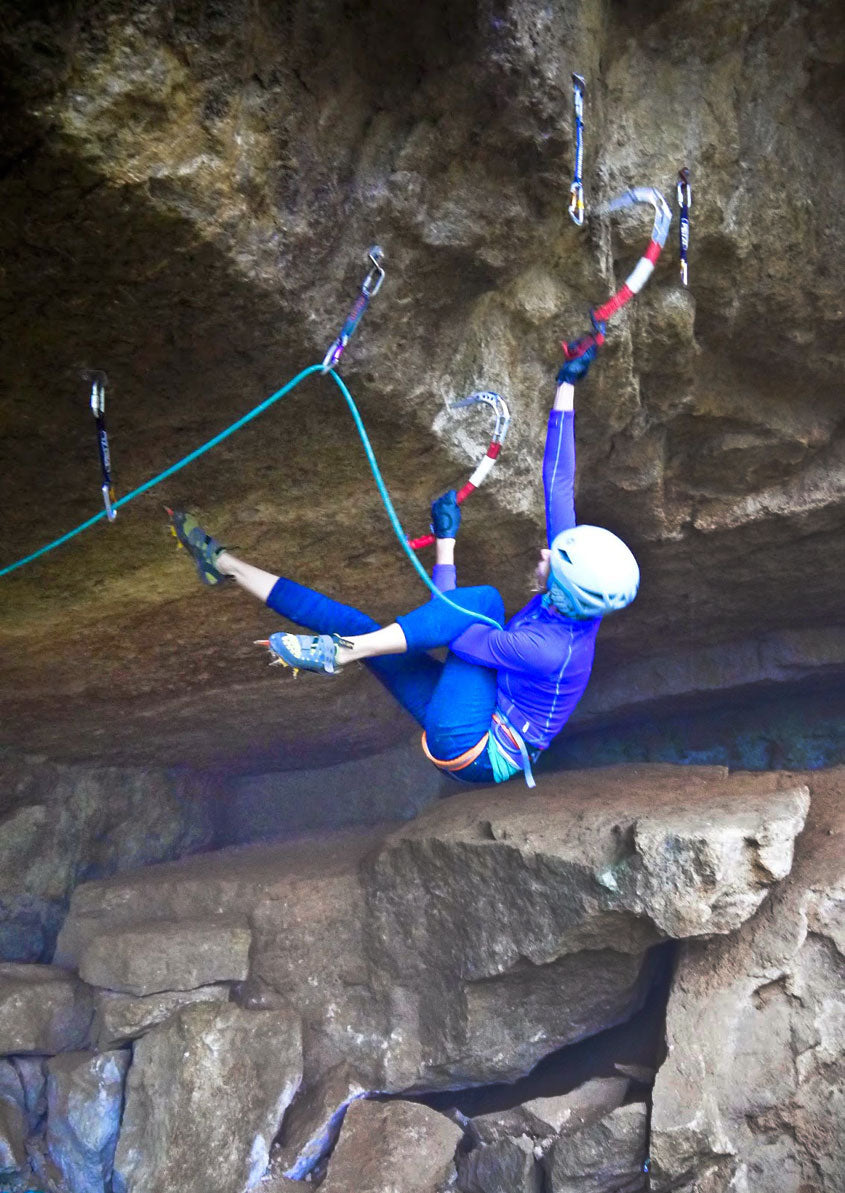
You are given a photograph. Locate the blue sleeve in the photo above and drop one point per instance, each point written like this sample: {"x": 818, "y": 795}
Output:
{"x": 524, "y": 650}
{"x": 445, "y": 577}
{"x": 559, "y": 473}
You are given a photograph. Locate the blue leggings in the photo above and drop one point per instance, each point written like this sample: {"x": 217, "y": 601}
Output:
{"x": 453, "y": 701}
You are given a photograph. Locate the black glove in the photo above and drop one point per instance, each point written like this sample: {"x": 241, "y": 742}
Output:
{"x": 576, "y": 370}
{"x": 445, "y": 515}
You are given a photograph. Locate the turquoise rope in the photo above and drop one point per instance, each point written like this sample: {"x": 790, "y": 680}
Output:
{"x": 230, "y": 430}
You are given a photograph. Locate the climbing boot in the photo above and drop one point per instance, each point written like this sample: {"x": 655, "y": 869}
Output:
{"x": 203, "y": 549}
{"x": 305, "y": 652}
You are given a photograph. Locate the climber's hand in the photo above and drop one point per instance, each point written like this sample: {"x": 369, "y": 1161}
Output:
{"x": 573, "y": 371}
{"x": 445, "y": 515}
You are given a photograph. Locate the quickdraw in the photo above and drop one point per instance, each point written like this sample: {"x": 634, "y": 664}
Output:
{"x": 488, "y": 460}
{"x": 639, "y": 275}
{"x": 369, "y": 288}
{"x": 684, "y": 192}
{"x": 98, "y": 407}
{"x": 576, "y": 191}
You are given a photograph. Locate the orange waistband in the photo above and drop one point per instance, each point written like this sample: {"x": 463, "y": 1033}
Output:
{"x": 459, "y": 763}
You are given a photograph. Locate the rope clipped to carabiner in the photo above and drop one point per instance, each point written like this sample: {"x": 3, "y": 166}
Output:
{"x": 98, "y": 408}
{"x": 684, "y": 192}
{"x": 641, "y": 272}
{"x": 576, "y": 191}
{"x": 503, "y": 418}
{"x": 369, "y": 288}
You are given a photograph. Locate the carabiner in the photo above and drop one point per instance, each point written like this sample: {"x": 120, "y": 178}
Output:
{"x": 98, "y": 409}
{"x": 369, "y": 288}
{"x": 576, "y": 190}
{"x": 684, "y": 195}
{"x": 372, "y": 282}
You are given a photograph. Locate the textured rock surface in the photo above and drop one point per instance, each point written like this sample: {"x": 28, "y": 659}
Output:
{"x": 202, "y": 1102}
{"x": 187, "y": 196}
{"x": 84, "y": 1104}
{"x": 43, "y": 1009}
{"x": 392, "y": 1147}
{"x": 119, "y": 1018}
{"x": 751, "y": 1095}
{"x": 507, "y": 1166}
{"x": 603, "y": 1157}
{"x": 151, "y": 958}
{"x": 467, "y": 945}
{"x": 60, "y": 825}
{"x": 13, "y": 1119}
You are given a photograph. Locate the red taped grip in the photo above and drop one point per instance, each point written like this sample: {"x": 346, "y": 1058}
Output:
{"x": 652, "y": 252}
{"x": 426, "y": 540}
{"x": 613, "y": 304}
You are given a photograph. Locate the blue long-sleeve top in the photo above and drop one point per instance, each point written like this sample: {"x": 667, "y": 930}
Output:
{"x": 543, "y": 659}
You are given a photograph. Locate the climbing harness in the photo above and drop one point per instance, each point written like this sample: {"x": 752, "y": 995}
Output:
{"x": 639, "y": 275}
{"x": 485, "y": 466}
{"x": 576, "y": 191}
{"x": 98, "y": 407}
{"x": 684, "y": 192}
{"x": 517, "y": 742}
{"x": 369, "y": 288}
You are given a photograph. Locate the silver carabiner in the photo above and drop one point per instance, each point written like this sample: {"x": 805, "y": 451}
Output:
{"x": 372, "y": 282}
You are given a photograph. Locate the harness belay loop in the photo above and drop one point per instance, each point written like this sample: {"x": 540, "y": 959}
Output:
{"x": 576, "y": 190}
{"x": 641, "y": 272}
{"x": 684, "y": 194}
{"x": 98, "y": 408}
{"x": 485, "y": 465}
{"x": 369, "y": 288}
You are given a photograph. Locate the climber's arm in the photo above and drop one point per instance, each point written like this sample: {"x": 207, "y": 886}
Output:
{"x": 445, "y": 521}
{"x": 559, "y": 456}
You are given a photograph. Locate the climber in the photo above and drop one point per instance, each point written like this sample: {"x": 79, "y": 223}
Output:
{"x": 501, "y": 695}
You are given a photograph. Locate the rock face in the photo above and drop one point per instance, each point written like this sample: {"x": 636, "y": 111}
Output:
{"x": 60, "y": 825}
{"x": 197, "y": 192}
{"x": 467, "y": 945}
{"x": 205, "y": 1098}
{"x": 751, "y": 1095}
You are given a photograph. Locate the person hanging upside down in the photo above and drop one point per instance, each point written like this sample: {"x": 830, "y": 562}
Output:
{"x": 501, "y": 695}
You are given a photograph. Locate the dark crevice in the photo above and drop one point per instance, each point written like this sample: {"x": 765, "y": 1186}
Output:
{"x": 640, "y": 1040}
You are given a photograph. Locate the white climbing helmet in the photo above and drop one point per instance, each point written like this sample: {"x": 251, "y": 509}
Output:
{"x": 592, "y": 572}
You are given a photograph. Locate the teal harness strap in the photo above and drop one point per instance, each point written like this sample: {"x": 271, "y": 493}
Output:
{"x": 225, "y": 434}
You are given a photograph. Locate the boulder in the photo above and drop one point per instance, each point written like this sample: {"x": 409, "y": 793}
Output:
{"x": 205, "y": 1098}
{"x": 752, "y": 1093}
{"x": 392, "y": 1147}
{"x": 605, "y": 1156}
{"x": 155, "y": 957}
{"x": 545, "y": 906}
{"x": 119, "y": 1018}
{"x": 84, "y": 1103}
{"x": 43, "y": 1009}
